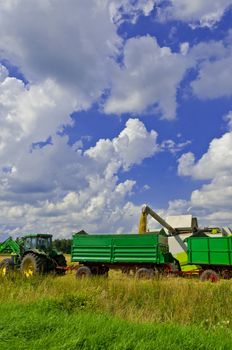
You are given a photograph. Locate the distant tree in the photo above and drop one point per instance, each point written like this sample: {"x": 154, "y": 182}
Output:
{"x": 63, "y": 245}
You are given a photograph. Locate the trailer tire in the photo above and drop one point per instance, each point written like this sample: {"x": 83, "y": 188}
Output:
{"x": 6, "y": 267}
{"x": 226, "y": 274}
{"x": 209, "y": 275}
{"x": 83, "y": 272}
{"x": 144, "y": 273}
{"x": 104, "y": 272}
{"x": 125, "y": 270}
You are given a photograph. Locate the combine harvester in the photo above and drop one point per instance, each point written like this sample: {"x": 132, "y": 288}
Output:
{"x": 206, "y": 251}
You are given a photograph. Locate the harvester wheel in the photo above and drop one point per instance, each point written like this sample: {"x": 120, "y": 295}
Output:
{"x": 6, "y": 267}
{"x": 209, "y": 275}
{"x": 83, "y": 272}
{"x": 61, "y": 262}
{"x": 32, "y": 264}
{"x": 144, "y": 273}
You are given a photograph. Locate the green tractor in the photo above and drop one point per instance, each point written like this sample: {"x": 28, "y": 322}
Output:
{"x": 32, "y": 254}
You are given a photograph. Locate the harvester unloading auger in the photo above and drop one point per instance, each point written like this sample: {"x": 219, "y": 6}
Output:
{"x": 146, "y": 210}
{"x": 193, "y": 228}
{"x": 183, "y": 224}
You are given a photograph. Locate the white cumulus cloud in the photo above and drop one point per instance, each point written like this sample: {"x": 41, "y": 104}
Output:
{"x": 149, "y": 78}
{"x": 69, "y": 42}
{"x": 61, "y": 189}
{"x": 215, "y": 195}
{"x": 204, "y": 13}
{"x": 212, "y": 61}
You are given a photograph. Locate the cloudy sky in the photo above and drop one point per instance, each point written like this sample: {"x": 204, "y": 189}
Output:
{"x": 109, "y": 104}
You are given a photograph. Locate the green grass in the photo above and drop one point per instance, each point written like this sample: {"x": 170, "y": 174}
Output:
{"x": 49, "y": 325}
{"x": 118, "y": 313}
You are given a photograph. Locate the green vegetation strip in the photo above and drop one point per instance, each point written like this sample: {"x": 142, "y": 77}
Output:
{"x": 65, "y": 313}
{"x": 48, "y": 325}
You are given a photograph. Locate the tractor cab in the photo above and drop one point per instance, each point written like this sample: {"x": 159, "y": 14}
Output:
{"x": 41, "y": 242}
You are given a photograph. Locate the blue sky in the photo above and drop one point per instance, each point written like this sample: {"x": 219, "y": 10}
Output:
{"x": 107, "y": 105}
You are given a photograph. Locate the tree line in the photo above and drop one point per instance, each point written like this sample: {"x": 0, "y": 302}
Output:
{"x": 63, "y": 245}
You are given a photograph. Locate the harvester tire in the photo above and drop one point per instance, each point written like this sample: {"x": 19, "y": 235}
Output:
{"x": 83, "y": 272}
{"x": 209, "y": 275}
{"x": 61, "y": 262}
{"x": 144, "y": 273}
{"x": 6, "y": 267}
{"x": 32, "y": 264}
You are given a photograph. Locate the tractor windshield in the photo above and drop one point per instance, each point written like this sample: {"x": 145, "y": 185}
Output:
{"x": 30, "y": 243}
{"x": 44, "y": 243}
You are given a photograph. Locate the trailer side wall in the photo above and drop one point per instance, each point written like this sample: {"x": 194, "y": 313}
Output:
{"x": 210, "y": 250}
{"x": 123, "y": 248}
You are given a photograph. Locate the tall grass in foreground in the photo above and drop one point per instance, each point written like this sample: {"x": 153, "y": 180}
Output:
{"x": 168, "y": 300}
{"x": 49, "y": 326}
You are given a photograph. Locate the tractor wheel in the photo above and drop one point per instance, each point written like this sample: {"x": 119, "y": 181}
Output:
{"x": 144, "y": 273}
{"x": 209, "y": 275}
{"x": 83, "y": 272}
{"x": 32, "y": 264}
{"x": 60, "y": 262}
{"x": 6, "y": 267}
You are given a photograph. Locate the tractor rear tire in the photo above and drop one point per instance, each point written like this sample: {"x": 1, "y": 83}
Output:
{"x": 61, "y": 262}
{"x": 144, "y": 273}
{"x": 32, "y": 264}
{"x": 6, "y": 267}
{"x": 83, "y": 272}
{"x": 209, "y": 275}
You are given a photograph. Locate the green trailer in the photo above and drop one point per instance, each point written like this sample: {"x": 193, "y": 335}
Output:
{"x": 213, "y": 255}
{"x": 145, "y": 254}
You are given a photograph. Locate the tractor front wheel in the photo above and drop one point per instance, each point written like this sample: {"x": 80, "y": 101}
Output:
{"x": 6, "y": 267}
{"x": 32, "y": 264}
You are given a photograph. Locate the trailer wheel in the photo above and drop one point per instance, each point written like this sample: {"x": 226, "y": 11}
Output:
{"x": 83, "y": 272}
{"x": 144, "y": 273}
{"x": 209, "y": 275}
{"x": 226, "y": 274}
{"x": 125, "y": 270}
{"x": 104, "y": 272}
{"x": 6, "y": 267}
